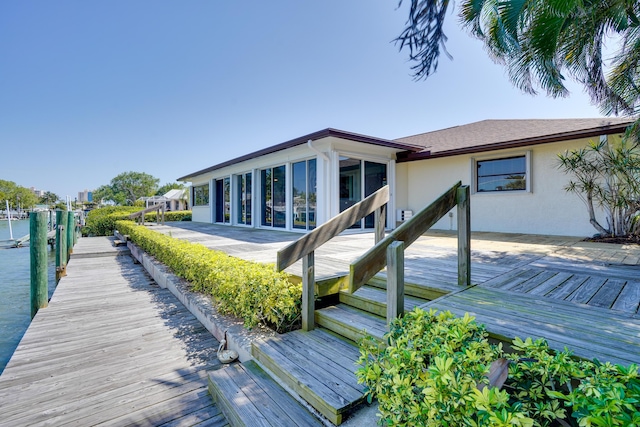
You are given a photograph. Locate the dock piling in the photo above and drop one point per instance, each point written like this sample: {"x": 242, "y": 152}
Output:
{"x": 61, "y": 245}
{"x": 69, "y": 227}
{"x": 38, "y": 249}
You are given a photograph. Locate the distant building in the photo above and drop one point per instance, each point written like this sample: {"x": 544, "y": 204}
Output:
{"x": 176, "y": 200}
{"x": 85, "y": 196}
{"x": 38, "y": 193}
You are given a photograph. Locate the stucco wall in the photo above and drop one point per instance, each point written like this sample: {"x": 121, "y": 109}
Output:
{"x": 201, "y": 214}
{"x": 546, "y": 209}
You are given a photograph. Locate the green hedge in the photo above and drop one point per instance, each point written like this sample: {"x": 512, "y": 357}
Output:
{"x": 249, "y": 290}
{"x": 433, "y": 373}
{"x": 102, "y": 221}
{"x": 170, "y": 216}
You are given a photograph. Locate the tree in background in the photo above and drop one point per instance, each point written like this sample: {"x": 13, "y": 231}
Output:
{"x": 168, "y": 187}
{"x": 18, "y": 197}
{"x": 541, "y": 42}
{"x": 128, "y": 187}
{"x": 49, "y": 198}
{"x": 607, "y": 175}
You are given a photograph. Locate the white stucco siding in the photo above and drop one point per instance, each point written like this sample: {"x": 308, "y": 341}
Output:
{"x": 546, "y": 209}
{"x": 201, "y": 214}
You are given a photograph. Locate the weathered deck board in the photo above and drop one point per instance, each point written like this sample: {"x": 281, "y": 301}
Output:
{"x": 252, "y": 398}
{"x": 588, "y": 331}
{"x": 111, "y": 348}
{"x": 320, "y": 369}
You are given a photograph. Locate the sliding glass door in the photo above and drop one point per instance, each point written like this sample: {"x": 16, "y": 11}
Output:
{"x": 243, "y": 199}
{"x": 303, "y": 211}
{"x": 359, "y": 179}
{"x": 223, "y": 200}
{"x": 273, "y": 205}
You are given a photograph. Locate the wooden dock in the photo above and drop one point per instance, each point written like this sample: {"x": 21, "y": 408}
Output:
{"x": 112, "y": 348}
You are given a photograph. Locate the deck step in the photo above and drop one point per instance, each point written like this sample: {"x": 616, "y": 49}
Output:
{"x": 426, "y": 292}
{"x": 248, "y": 396}
{"x": 374, "y": 300}
{"x": 318, "y": 366}
{"x": 350, "y": 322}
{"x": 590, "y": 332}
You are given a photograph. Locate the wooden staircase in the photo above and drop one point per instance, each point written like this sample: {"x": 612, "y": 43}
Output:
{"x": 317, "y": 367}
{"x": 317, "y": 364}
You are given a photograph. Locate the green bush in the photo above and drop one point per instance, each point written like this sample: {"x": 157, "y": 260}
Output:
{"x": 434, "y": 373}
{"x": 249, "y": 290}
{"x": 102, "y": 221}
{"x": 170, "y": 216}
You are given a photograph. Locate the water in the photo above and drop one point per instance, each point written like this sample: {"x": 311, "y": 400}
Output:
{"x": 15, "y": 288}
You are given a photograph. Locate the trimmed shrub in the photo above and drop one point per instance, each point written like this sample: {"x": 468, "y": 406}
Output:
{"x": 102, "y": 221}
{"x": 252, "y": 291}
{"x": 169, "y": 216}
{"x": 434, "y": 373}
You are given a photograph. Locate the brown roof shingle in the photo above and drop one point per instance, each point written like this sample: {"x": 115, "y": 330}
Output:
{"x": 496, "y": 134}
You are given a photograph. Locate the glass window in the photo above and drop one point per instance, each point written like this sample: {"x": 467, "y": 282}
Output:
{"x": 360, "y": 179}
{"x": 266, "y": 191}
{"x": 507, "y": 174}
{"x": 243, "y": 199}
{"x": 304, "y": 193}
{"x": 273, "y": 203}
{"x": 279, "y": 197}
{"x": 223, "y": 200}
{"x": 201, "y": 195}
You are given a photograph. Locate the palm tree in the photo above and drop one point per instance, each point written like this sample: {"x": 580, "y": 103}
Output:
{"x": 541, "y": 43}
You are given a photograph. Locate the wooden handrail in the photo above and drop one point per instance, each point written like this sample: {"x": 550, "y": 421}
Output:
{"x": 375, "y": 259}
{"x": 147, "y": 210}
{"x": 336, "y": 225}
{"x": 159, "y": 207}
{"x": 305, "y": 246}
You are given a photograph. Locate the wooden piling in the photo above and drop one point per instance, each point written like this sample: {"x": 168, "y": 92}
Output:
{"x": 38, "y": 249}
{"x": 61, "y": 245}
{"x": 69, "y": 227}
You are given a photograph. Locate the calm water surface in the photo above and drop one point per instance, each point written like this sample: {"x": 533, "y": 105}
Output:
{"x": 15, "y": 308}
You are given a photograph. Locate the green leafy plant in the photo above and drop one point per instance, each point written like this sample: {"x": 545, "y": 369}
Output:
{"x": 430, "y": 372}
{"x": 434, "y": 372}
{"x": 252, "y": 291}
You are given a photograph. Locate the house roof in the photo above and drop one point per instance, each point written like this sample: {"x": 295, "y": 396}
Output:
{"x": 329, "y": 132}
{"x": 175, "y": 194}
{"x": 489, "y": 135}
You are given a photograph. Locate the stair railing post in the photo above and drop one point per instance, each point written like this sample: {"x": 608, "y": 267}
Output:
{"x": 380, "y": 215}
{"x": 464, "y": 236}
{"x": 395, "y": 280}
{"x": 308, "y": 292}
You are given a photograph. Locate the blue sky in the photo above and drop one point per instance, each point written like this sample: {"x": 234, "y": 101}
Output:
{"x": 92, "y": 89}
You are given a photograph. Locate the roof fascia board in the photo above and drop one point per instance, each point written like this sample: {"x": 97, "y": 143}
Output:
{"x": 303, "y": 140}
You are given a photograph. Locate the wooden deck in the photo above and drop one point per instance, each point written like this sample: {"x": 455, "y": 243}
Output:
{"x": 575, "y": 294}
{"x": 112, "y": 348}
{"x": 600, "y": 275}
